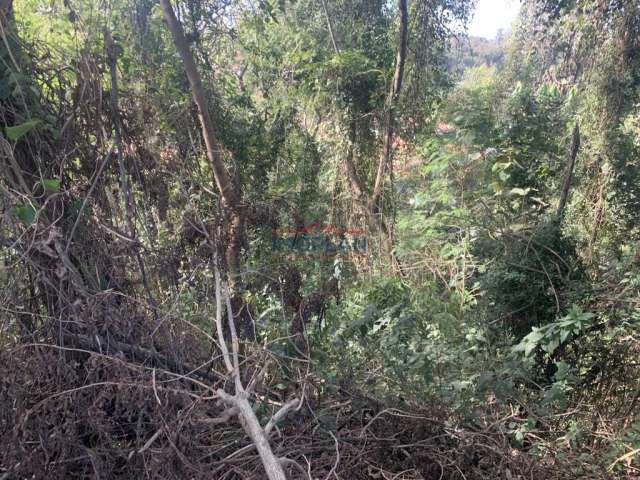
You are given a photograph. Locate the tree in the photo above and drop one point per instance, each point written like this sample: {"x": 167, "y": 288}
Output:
{"x": 370, "y": 204}
{"x": 226, "y": 186}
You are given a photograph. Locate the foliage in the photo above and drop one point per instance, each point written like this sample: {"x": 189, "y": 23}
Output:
{"x": 498, "y": 338}
{"x": 549, "y": 337}
{"x": 530, "y": 278}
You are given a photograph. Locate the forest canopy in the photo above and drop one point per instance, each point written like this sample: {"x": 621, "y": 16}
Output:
{"x": 319, "y": 239}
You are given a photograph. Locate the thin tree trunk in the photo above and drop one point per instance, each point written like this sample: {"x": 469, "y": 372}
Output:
{"x": 229, "y": 193}
{"x": 374, "y": 219}
{"x": 330, "y": 26}
{"x": 370, "y": 203}
{"x": 571, "y": 162}
{"x": 357, "y": 187}
{"x": 394, "y": 94}
{"x": 129, "y": 201}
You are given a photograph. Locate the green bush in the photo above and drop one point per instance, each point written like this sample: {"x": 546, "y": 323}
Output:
{"x": 529, "y": 279}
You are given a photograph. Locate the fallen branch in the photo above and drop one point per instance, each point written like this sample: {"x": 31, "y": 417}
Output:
{"x": 238, "y": 404}
{"x": 101, "y": 345}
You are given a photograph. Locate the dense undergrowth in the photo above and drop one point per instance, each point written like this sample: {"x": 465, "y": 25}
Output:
{"x": 441, "y": 268}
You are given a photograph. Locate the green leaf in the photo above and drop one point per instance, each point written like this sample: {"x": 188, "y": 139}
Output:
{"x": 25, "y": 212}
{"x": 562, "y": 372}
{"x": 551, "y": 345}
{"x": 529, "y": 343}
{"x": 51, "y": 184}
{"x": 18, "y": 131}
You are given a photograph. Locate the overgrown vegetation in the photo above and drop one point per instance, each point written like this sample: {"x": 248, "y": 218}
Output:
{"x": 309, "y": 239}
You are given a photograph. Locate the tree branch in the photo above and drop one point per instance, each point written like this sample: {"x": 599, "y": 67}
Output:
{"x": 568, "y": 176}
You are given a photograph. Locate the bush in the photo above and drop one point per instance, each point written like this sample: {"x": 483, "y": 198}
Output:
{"x": 528, "y": 280}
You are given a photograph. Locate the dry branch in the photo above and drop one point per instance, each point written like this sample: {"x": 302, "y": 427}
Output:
{"x": 238, "y": 403}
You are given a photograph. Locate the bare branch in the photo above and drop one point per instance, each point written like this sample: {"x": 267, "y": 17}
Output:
{"x": 280, "y": 414}
{"x": 223, "y": 344}
{"x": 234, "y": 341}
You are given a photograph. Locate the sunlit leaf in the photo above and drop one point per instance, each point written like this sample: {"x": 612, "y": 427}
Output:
{"x": 51, "y": 184}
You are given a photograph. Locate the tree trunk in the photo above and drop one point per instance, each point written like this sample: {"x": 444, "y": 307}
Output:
{"x": 330, "y": 26}
{"x": 230, "y": 196}
{"x": 370, "y": 203}
{"x": 373, "y": 217}
{"x": 568, "y": 176}
{"x": 394, "y": 93}
{"x": 129, "y": 200}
